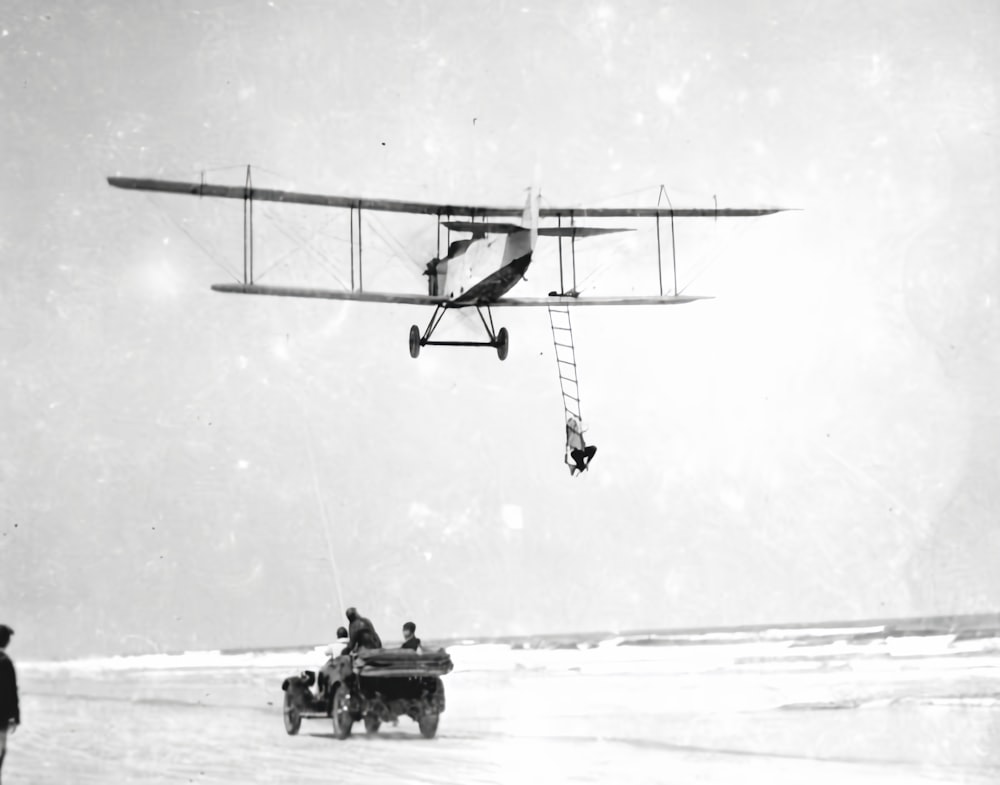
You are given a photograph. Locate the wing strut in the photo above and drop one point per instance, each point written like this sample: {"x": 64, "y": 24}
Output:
{"x": 572, "y": 248}
{"x": 562, "y": 283}
{"x": 572, "y": 256}
{"x": 673, "y": 242}
{"x": 361, "y": 280}
{"x": 248, "y": 193}
{"x": 247, "y": 228}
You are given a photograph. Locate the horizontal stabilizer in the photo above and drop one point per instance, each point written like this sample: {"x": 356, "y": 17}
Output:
{"x": 483, "y": 227}
{"x": 578, "y": 231}
{"x": 489, "y": 227}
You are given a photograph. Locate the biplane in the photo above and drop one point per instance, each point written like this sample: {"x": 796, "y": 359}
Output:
{"x": 476, "y": 272}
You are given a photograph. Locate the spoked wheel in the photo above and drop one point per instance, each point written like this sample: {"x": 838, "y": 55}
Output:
{"x": 414, "y": 342}
{"x": 503, "y": 343}
{"x": 342, "y": 719}
{"x": 372, "y": 723}
{"x": 428, "y": 725}
{"x": 292, "y": 717}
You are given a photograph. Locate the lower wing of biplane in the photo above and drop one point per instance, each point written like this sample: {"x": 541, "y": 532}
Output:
{"x": 496, "y": 339}
{"x": 476, "y": 272}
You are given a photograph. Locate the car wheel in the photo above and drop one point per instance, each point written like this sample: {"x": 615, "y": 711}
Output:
{"x": 428, "y": 725}
{"x": 342, "y": 719}
{"x": 292, "y": 717}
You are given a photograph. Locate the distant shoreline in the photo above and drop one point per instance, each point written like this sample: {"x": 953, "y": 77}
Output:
{"x": 963, "y": 626}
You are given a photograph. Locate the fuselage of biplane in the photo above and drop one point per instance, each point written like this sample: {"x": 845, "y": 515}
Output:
{"x": 484, "y": 268}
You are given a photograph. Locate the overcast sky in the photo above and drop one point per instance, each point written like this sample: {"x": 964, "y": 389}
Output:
{"x": 183, "y": 469}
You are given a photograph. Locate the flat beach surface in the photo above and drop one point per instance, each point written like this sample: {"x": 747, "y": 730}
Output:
{"x": 528, "y": 721}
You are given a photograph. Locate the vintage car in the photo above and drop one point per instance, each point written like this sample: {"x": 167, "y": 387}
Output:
{"x": 373, "y": 685}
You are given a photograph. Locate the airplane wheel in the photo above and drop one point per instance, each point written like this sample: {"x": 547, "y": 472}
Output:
{"x": 414, "y": 342}
{"x": 503, "y": 343}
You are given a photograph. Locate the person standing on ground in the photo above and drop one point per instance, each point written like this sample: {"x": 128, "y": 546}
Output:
{"x": 10, "y": 712}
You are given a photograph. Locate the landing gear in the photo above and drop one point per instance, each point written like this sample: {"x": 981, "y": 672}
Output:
{"x": 414, "y": 342}
{"x": 503, "y": 343}
{"x": 498, "y": 339}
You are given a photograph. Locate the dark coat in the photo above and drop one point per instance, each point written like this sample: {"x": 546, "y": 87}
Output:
{"x": 9, "y": 708}
{"x": 362, "y": 636}
{"x": 412, "y": 643}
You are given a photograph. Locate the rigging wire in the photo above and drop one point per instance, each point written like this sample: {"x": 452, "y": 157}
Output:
{"x": 193, "y": 239}
{"x": 700, "y": 269}
{"x": 380, "y": 232}
{"x": 302, "y": 245}
{"x": 706, "y": 264}
{"x": 390, "y": 239}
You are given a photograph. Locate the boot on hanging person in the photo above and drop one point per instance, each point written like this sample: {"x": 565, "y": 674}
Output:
{"x": 576, "y": 447}
{"x": 582, "y": 459}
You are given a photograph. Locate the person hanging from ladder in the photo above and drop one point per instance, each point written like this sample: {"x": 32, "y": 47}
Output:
{"x": 578, "y": 453}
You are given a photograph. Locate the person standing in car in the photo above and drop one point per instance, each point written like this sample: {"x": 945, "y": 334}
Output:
{"x": 361, "y": 633}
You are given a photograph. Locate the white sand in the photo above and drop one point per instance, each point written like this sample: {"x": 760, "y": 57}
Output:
{"x": 225, "y": 726}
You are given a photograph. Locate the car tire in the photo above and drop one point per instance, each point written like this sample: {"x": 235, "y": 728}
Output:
{"x": 292, "y": 716}
{"x": 428, "y": 725}
{"x": 343, "y": 721}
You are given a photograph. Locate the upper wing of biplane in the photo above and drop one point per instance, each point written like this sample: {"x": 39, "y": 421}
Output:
{"x": 444, "y": 213}
{"x": 297, "y": 197}
{"x": 426, "y": 208}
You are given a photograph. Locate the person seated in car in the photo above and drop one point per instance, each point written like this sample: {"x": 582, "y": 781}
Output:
{"x": 361, "y": 633}
{"x": 325, "y": 677}
{"x": 410, "y": 639}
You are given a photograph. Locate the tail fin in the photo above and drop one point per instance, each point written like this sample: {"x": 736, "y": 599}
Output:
{"x": 518, "y": 246}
